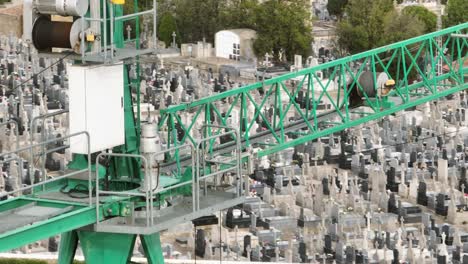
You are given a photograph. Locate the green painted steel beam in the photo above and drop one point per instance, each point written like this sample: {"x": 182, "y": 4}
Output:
{"x": 67, "y": 247}
{"x": 24, "y": 200}
{"x": 101, "y": 248}
{"x": 403, "y": 61}
{"x": 152, "y": 247}
{"x": 45, "y": 229}
{"x": 359, "y": 121}
{"x": 13, "y": 203}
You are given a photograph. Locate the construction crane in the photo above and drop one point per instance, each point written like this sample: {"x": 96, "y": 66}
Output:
{"x": 148, "y": 186}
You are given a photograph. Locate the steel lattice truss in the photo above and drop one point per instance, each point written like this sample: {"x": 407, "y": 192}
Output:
{"x": 412, "y": 64}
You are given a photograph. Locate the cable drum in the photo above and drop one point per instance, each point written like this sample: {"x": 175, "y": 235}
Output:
{"x": 47, "y": 34}
{"x": 366, "y": 87}
{"x": 366, "y": 80}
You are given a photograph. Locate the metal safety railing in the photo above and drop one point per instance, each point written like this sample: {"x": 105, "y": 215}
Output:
{"x": 150, "y": 192}
{"x": 43, "y": 118}
{"x": 147, "y": 193}
{"x": 182, "y": 184}
{"x": 43, "y": 184}
{"x": 33, "y": 128}
{"x": 237, "y": 167}
{"x": 107, "y": 54}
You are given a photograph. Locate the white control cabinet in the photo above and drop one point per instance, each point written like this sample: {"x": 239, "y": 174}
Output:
{"x": 96, "y": 106}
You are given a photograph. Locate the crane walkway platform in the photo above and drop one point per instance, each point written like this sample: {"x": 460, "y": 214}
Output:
{"x": 182, "y": 212}
{"x": 28, "y": 214}
{"x": 25, "y": 220}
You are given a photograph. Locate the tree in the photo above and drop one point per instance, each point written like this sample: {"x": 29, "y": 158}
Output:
{"x": 167, "y": 26}
{"x": 336, "y": 7}
{"x": 245, "y": 9}
{"x": 362, "y": 28}
{"x": 351, "y": 38}
{"x": 456, "y": 12}
{"x": 283, "y": 26}
{"x": 163, "y": 6}
{"x": 198, "y": 19}
{"x": 398, "y": 27}
{"x": 424, "y": 15}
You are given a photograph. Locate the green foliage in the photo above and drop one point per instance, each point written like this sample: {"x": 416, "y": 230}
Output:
{"x": 280, "y": 24}
{"x": 424, "y": 15}
{"x": 351, "y": 38}
{"x": 336, "y": 7}
{"x": 198, "y": 19}
{"x": 283, "y": 26}
{"x": 398, "y": 27}
{"x": 456, "y": 13}
{"x": 373, "y": 23}
{"x": 164, "y": 6}
{"x": 362, "y": 29}
{"x": 167, "y": 26}
{"x": 245, "y": 9}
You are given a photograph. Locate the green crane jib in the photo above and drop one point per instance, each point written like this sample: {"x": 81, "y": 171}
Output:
{"x": 116, "y": 209}
{"x": 412, "y": 63}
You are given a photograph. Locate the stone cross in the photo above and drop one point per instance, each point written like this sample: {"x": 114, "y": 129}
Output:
{"x": 129, "y": 32}
{"x": 267, "y": 58}
{"x": 174, "y": 44}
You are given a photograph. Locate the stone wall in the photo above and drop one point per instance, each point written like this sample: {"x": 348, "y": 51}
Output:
{"x": 11, "y": 21}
